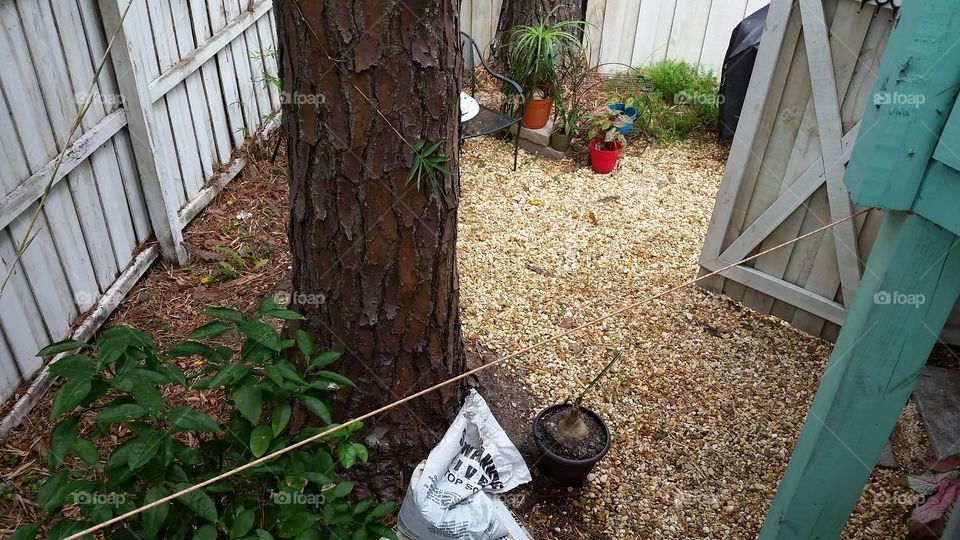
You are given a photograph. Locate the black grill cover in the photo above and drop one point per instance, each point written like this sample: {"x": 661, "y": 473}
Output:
{"x": 737, "y": 68}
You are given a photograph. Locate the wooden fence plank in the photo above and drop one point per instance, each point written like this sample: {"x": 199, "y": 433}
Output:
{"x": 593, "y": 37}
{"x": 196, "y": 107}
{"x": 723, "y": 19}
{"x": 228, "y": 77}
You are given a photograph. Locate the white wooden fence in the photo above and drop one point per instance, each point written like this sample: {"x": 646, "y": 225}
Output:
{"x": 813, "y": 78}
{"x": 183, "y": 88}
{"x": 638, "y": 32}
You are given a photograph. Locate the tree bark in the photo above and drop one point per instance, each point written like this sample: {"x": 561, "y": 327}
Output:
{"x": 374, "y": 261}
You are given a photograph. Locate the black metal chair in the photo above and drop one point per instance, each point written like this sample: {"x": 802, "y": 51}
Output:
{"x": 487, "y": 121}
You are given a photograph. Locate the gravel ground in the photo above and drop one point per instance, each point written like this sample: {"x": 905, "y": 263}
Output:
{"x": 708, "y": 400}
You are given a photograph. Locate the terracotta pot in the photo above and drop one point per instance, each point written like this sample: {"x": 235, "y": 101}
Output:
{"x": 537, "y": 113}
{"x": 560, "y": 142}
{"x": 603, "y": 161}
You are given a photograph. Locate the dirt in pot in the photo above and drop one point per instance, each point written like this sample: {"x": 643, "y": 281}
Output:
{"x": 548, "y": 431}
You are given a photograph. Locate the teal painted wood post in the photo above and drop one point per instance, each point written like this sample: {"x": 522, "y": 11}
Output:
{"x": 910, "y": 285}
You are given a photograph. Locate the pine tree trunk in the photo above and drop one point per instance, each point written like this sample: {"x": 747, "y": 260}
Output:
{"x": 374, "y": 261}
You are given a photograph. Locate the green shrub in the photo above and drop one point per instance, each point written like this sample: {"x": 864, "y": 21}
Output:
{"x": 684, "y": 99}
{"x": 118, "y": 386}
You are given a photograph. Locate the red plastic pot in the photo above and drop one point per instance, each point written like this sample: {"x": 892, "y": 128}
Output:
{"x": 602, "y": 160}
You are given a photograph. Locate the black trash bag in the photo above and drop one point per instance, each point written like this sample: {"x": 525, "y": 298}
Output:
{"x": 737, "y": 68}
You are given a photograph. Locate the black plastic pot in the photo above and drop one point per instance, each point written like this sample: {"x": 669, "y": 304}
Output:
{"x": 560, "y": 469}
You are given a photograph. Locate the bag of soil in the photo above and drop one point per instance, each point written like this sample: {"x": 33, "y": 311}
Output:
{"x": 454, "y": 495}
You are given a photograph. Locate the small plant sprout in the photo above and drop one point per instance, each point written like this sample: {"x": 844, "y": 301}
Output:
{"x": 572, "y": 428}
{"x": 427, "y": 162}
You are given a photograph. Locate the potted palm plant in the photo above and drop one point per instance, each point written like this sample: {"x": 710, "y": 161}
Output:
{"x": 531, "y": 53}
{"x": 607, "y": 138}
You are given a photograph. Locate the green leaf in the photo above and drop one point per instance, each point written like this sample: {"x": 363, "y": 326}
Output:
{"x": 335, "y": 378}
{"x": 269, "y": 304}
{"x": 61, "y": 346}
{"x": 64, "y": 529}
{"x": 147, "y": 396}
{"x": 226, "y": 314}
{"x": 249, "y": 401}
{"x": 129, "y": 336}
{"x": 198, "y": 501}
{"x": 296, "y": 524}
{"x": 362, "y": 506}
{"x": 109, "y": 350}
{"x": 263, "y": 535}
{"x": 262, "y": 333}
{"x": 26, "y": 532}
{"x": 144, "y": 448}
{"x": 288, "y": 371}
{"x": 383, "y": 509}
{"x": 260, "y": 439}
{"x": 281, "y": 417}
{"x": 173, "y": 374}
{"x": 347, "y": 454}
{"x": 61, "y": 441}
{"x": 86, "y": 451}
{"x": 189, "y": 419}
{"x": 74, "y": 367}
{"x": 69, "y": 396}
{"x": 286, "y": 315}
{"x": 153, "y": 518}
{"x": 209, "y": 330}
{"x": 343, "y": 489}
{"x": 120, "y": 413}
{"x": 49, "y": 494}
{"x": 242, "y": 523}
{"x": 362, "y": 454}
{"x": 360, "y": 534}
{"x": 192, "y": 348}
{"x": 304, "y": 342}
{"x": 383, "y": 532}
{"x": 229, "y": 375}
{"x": 206, "y": 532}
{"x": 324, "y": 359}
{"x": 317, "y": 407}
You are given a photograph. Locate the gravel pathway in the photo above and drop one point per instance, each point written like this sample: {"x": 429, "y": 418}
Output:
{"x": 709, "y": 397}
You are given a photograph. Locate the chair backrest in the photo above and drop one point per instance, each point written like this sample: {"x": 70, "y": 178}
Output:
{"x": 470, "y": 52}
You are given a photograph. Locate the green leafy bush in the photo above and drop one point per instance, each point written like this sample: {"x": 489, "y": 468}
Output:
{"x": 118, "y": 386}
{"x": 684, "y": 99}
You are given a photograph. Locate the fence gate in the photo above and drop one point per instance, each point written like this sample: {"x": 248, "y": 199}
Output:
{"x": 784, "y": 177}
